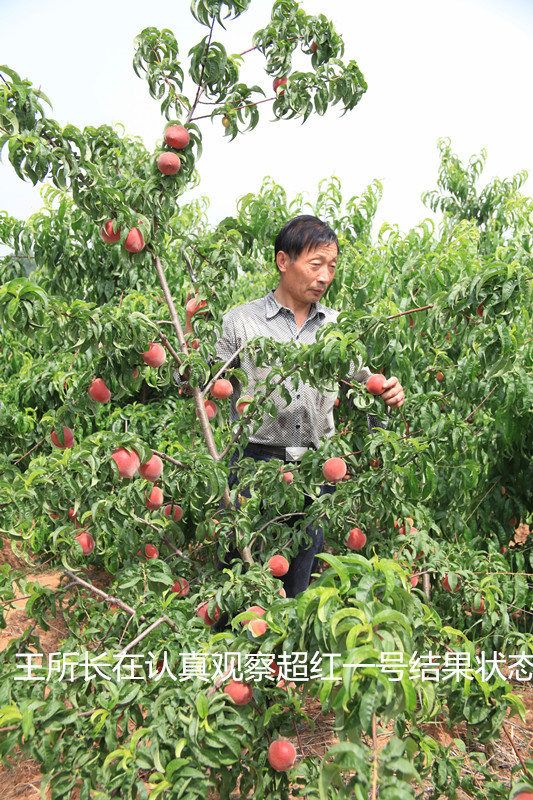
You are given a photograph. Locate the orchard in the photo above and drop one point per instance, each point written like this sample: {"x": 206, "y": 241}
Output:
{"x": 182, "y": 679}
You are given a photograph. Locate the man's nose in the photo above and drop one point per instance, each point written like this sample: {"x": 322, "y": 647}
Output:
{"x": 324, "y": 276}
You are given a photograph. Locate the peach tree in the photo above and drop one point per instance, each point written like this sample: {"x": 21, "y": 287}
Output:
{"x": 141, "y": 700}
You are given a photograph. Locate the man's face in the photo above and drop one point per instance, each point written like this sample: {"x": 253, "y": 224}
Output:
{"x": 309, "y": 275}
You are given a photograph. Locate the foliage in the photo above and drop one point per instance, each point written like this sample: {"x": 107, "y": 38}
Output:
{"x": 438, "y": 491}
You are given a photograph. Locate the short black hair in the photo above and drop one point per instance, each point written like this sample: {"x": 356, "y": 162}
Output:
{"x": 301, "y": 233}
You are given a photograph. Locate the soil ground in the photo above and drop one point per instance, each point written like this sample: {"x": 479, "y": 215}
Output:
{"x": 22, "y": 781}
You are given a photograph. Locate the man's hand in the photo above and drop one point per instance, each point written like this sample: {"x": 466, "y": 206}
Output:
{"x": 392, "y": 394}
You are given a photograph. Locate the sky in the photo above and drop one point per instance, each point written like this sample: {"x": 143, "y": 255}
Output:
{"x": 461, "y": 69}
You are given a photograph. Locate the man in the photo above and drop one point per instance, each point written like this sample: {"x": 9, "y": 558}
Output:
{"x": 306, "y": 252}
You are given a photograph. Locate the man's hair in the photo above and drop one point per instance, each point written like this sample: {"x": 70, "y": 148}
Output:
{"x": 302, "y": 233}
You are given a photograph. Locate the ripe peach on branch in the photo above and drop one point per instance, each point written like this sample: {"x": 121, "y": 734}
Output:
{"x": 180, "y": 587}
{"x": 68, "y": 438}
{"x": 334, "y": 469}
{"x": 99, "y": 391}
{"x": 356, "y": 539}
{"x": 86, "y": 542}
{"x": 134, "y": 241}
{"x": 127, "y": 461}
{"x": 154, "y": 500}
{"x": 147, "y": 552}
{"x": 175, "y": 512}
{"x": 201, "y": 611}
{"x": 240, "y": 693}
{"x": 222, "y": 389}
{"x": 109, "y": 235}
{"x": 243, "y": 403}
{"x": 278, "y": 566}
{"x": 177, "y": 136}
{"x": 168, "y": 163}
{"x": 281, "y": 755}
{"x": 151, "y": 470}
{"x": 155, "y": 356}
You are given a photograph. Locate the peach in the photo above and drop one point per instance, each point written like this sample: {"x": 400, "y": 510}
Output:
{"x": 151, "y": 470}
{"x": 134, "y": 241}
{"x": 155, "y": 499}
{"x": 99, "y": 391}
{"x": 356, "y": 539}
{"x": 155, "y": 356}
{"x": 168, "y": 163}
{"x": 177, "y": 136}
{"x": 281, "y": 755}
{"x": 86, "y": 542}
{"x": 243, "y": 402}
{"x": 148, "y": 551}
{"x": 201, "y": 611}
{"x": 68, "y": 437}
{"x": 180, "y": 587}
{"x": 126, "y": 461}
{"x": 176, "y": 512}
{"x": 374, "y": 384}
{"x": 278, "y": 566}
{"x": 334, "y": 469}
{"x": 240, "y": 693}
{"x": 222, "y": 389}
{"x": 108, "y": 234}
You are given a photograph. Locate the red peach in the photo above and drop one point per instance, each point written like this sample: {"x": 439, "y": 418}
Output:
{"x": 240, "y": 693}
{"x": 281, "y": 755}
{"x": 126, "y": 461}
{"x": 108, "y": 234}
{"x": 168, "y": 163}
{"x": 155, "y": 499}
{"x": 177, "y": 136}
{"x": 151, "y": 470}
{"x": 334, "y": 469}
{"x": 68, "y": 437}
{"x": 222, "y": 389}
{"x": 375, "y": 383}
{"x": 243, "y": 402}
{"x": 278, "y": 566}
{"x": 86, "y": 541}
{"x": 180, "y": 587}
{"x": 201, "y": 611}
{"x": 356, "y": 539}
{"x": 175, "y": 511}
{"x": 134, "y": 242}
{"x": 99, "y": 391}
{"x": 148, "y": 551}
{"x": 155, "y": 356}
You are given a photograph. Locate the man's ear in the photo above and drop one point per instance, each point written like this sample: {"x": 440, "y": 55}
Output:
{"x": 282, "y": 260}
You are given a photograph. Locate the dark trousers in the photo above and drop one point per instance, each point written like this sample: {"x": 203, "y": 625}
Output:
{"x": 304, "y": 563}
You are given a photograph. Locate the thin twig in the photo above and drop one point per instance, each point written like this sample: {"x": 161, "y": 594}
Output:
{"x": 171, "y": 460}
{"x": 519, "y": 757}
{"x": 169, "y": 347}
{"x": 374, "y": 759}
{"x": 30, "y": 451}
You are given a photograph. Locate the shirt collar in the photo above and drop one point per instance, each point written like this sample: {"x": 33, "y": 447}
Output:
{"x": 273, "y": 307}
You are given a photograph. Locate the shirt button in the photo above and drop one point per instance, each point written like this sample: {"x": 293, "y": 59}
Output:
{"x": 298, "y": 396}
{"x": 298, "y": 425}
